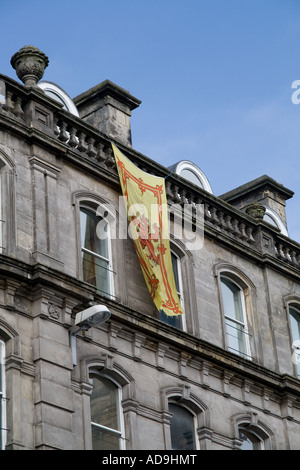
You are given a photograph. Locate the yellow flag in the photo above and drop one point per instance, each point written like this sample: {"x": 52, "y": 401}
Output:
{"x": 148, "y": 222}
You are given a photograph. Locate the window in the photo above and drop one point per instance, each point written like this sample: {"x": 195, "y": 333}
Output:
{"x": 2, "y": 398}
{"x": 3, "y": 169}
{"x": 96, "y": 251}
{"x": 177, "y": 320}
{"x": 1, "y": 211}
{"x": 106, "y": 416}
{"x": 253, "y": 434}
{"x": 274, "y": 219}
{"x": 250, "y": 440}
{"x": 55, "y": 92}
{"x": 294, "y": 315}
{"x": 192, "y": 173}
{"x": 7, "y": 205}
{"x": 182, "y": 428}
{"x": 235, "y": 318}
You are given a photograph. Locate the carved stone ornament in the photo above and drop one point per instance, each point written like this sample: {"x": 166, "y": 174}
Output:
{"x": 29, "y": 63}
{"x": 54, "y": 311}
{"x": 256, "y": 210}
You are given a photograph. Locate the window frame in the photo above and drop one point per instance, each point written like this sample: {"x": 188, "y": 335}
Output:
{"x": 2, "y": 221}
{"x": 194, "y": 416}
{"x": 249, "y": 423}
{"x": 187, "y": 165}
{"x": 121, "y": 431}
{"x": 277, "y": 221}
{"x": 245, "y": 332}
{"x": 3, "y": 430}
{"x": 254, "y": 437}
{"x": 62, "y": 97}
{"x": 163, "y": 317}
{"x": 7, "y": 205}
{"x": 92, "y": 207}
{"x": 295, "y": 354}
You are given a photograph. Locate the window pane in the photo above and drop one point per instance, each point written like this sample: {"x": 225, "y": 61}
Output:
{"x": 56, "y": 97}
{"x": 295, "y": 327}
{"x": 104, "y": 403}
{"x": 235, "y": 322}
{"x": 182, "y": 428}
{"x": 175, "y": 271}
{"x": 2, "y": 402}
{"x": 96, "y": 272}
{"x": 191, "y": 176}
{"x": 236, "y": 338}
{"x": 247, "y": 443}
{"x": 251, "y": 441}
{"x": 102, "y": 440}
{"x": 89, "y": 239}
{"x": 95, "y": 262}
{"x": 270, "y": 220}
{"x": 232, "y": 301}
{"x": 175, "y": 320}
{"x": 295, "y": 323}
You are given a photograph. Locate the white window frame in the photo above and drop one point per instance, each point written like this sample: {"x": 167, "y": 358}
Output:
{"x": 277, "y": 221}
{"x": 187, "y": 165}
{"x": 108, "y": 260}
{"x": 62, "y": 96}
{"x": 3, "y": 424}
{"x": 243, "y": 325}
{"x": 295, "y": 341}
{"x": 121, "y": 432}
{"x": 1, "y": 212}
{"x": 180, "y": 291}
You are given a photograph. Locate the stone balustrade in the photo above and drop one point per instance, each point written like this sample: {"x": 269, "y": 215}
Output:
{"x": 84, "y": 140}
{"x": 287, "y": 251}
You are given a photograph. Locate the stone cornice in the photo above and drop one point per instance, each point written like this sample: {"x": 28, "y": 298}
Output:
{"x": 39, "y": 276}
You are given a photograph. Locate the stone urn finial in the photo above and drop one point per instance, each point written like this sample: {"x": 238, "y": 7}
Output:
{"x": 256, "y": 210}
{"x": 29, "y": 63}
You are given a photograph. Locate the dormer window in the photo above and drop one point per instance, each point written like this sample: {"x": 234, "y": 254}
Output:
{"x": 55, "y": 92}
{"x": 192, "y": 173}
{"x": 272, "y": 218}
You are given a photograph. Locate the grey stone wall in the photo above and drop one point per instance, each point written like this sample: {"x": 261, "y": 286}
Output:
{"x": 41, "y": 284}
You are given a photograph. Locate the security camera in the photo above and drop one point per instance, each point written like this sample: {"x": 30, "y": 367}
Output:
{"x": 89, "y": 317}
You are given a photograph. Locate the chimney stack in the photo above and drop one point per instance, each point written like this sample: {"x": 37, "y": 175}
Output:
{"x": 108, "y": 108}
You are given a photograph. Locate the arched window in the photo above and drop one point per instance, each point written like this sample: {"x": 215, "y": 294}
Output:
{"x": 106, "y": 414}
{"x": 183, "y": 428}
{"x": 192, "y": 173}
{"x": 252, "y": 434}
{"x": 189, "y": 419}
{"x": 2, "y": 221}
{"x": 177, "y": 320}
{"x": 234, "y": 309}
{"x": 57, "y": 93}
{"x": 2, "y": 397}
{"x": 7, "y": 204}
{"x": 294, "y": 318}
{"x": 96, "y": 250}
{"x": 274, "y": 219}
{"x": 250, "y": 440}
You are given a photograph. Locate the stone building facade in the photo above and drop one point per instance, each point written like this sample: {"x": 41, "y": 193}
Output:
{"x": 225, "y": 376}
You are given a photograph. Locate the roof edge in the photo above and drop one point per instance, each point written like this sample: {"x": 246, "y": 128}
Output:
{"x": 254, "y": 185}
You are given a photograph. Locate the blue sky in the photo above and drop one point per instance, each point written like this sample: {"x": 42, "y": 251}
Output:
{"x": 214, "y": 77}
